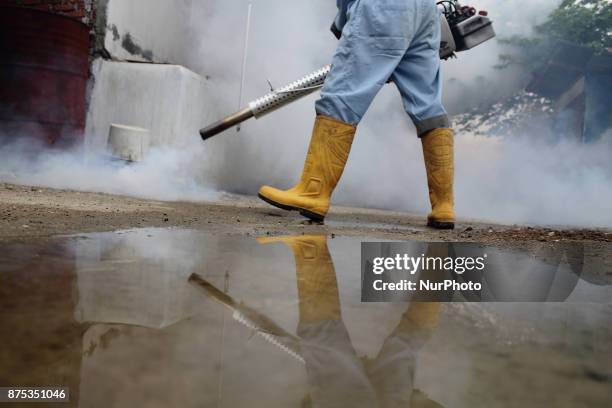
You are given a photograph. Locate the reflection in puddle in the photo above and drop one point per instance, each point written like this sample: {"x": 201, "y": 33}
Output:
{"x": 184, "y": 318}
{"x": 458, "y": 271}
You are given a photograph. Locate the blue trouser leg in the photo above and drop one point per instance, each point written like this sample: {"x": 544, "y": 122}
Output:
{"x": 418, "y": 77}
{"x": 382, "y": 40}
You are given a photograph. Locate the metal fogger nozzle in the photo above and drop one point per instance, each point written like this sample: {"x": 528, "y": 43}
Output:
{"x": 270, "y": 102}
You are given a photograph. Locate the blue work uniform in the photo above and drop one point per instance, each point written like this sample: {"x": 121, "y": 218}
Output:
{"x": 382, "y": 40}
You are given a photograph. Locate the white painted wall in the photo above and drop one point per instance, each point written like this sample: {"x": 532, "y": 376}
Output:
{"x": 158, "y": 26}
{"x": 171, "y": 97}
{"x": 177, "y": 32}
{"x": 169, "y": 100}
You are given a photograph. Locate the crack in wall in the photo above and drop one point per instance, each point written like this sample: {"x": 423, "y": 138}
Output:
{"x": 134, "y": 48}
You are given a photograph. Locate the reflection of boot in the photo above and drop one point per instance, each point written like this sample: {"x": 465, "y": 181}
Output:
{"x": 336, "y": 376}
{"x": 435, "y": 273}
{"x": 316, "y": 277}
{"x": 392, "y": 372}
{"x": 419, "y": 399}
{"x": 420, "y": 317}
{"x": 438, "y": 154}
{"x": 328, "y": 152}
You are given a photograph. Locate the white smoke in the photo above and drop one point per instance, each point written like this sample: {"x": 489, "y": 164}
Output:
{"x": 166, "y": 174}
{"x": 520, "y": 178}
{"x": 515, "y": 180}
{"x": 528, "y": 180}
{"x": 471, "y": 79}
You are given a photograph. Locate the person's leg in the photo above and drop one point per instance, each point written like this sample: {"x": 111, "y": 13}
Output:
{"x": 438, "y": 152}
{"x": 418, "y": 80}
{"x": 417, "y": 76}
{"x": 373, "y": 43}
{"x": 393, "y": 370}
{"x": 328, "y": 152}
{"x": 335, "y": 373}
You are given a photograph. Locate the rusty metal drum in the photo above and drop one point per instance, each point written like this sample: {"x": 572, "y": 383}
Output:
{"x": 44, "y": 61}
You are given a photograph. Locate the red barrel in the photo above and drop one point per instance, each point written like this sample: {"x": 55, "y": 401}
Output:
{"x": 44, "y": 60}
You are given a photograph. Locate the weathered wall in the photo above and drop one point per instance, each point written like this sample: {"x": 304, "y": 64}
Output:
{"x": 146, "y": 30}
{"x": 167, "y": 91}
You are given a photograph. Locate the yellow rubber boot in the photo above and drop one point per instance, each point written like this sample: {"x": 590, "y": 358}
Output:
{"x": 329, "y": 149}
{"x": 316, "y": 276}
{"x": 438, "y": 152}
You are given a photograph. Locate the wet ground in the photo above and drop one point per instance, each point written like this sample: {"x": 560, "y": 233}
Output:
{"x": 30, "y": 214}
{"x": 163, "y": 317}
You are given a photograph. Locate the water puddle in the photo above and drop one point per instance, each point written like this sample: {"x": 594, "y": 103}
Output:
{"x": 169, "y": 317}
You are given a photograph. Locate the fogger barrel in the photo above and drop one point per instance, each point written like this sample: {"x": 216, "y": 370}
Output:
{"x": 461, "y": 29}
{"x": 270, "y": 102}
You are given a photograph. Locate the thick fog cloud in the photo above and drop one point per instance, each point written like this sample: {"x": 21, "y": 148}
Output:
{"x": 516, "y": 179}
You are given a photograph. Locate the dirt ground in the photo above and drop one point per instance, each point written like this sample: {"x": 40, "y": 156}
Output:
{"x": 35, "y": 213}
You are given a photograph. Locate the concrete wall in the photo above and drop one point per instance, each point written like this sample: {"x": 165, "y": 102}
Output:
{"x": 148, "y": 73}
{"x": 169, "y": 100}
{"x": 147, "y": 30}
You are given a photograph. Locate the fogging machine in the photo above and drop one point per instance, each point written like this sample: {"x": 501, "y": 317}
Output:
{"x": 462, "y": 28}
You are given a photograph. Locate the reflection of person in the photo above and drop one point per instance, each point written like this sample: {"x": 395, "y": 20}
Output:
{"x": 337, "y": 377}
{"x": 380, "y": 41}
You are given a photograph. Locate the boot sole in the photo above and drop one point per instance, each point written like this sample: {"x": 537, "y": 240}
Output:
{"x": 308, "y": 214}
{"x": 441, "y": 225}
